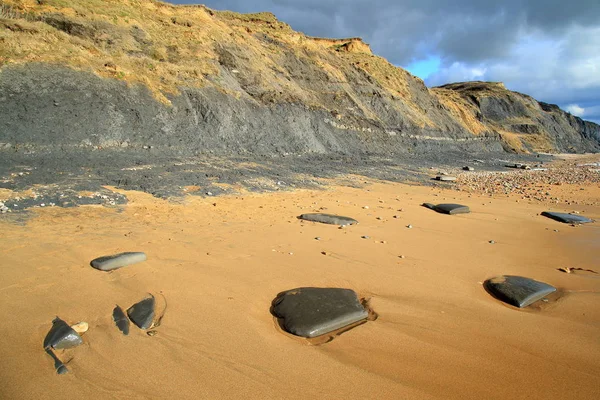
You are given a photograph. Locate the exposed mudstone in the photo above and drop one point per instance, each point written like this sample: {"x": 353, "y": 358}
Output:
{"x": 310, "y": 312}
{"x": 448, "y": 208}
{"x": 142, "y": 313}
{"x": 116, "y": 261}
{"x": 328, "y": 219}
{"x": 567, "y": 218}
{"x": 121, "y": 320}
{"x": 517, "y": 290}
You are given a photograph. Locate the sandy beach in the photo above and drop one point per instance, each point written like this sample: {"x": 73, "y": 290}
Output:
{"x": 219, "y": 262}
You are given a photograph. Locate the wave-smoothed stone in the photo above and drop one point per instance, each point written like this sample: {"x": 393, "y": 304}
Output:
{"x": 116, "y": 261}
{"x": 448, "y": 208}
{"x": 310, "y": 312}
{"x": 566, "y": 218}
{"x": 445, "y": 178}
{"x": 517, "y": 290}
{"x": 142, "y": 313}
{"x": 121, "y": 320}
{"x": 61, "y": 336}
{"x": 328, "y": 219}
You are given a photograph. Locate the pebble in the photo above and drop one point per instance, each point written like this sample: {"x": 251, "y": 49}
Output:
{"x": 366, "y": 207}
{"x": 491, "y": 242}
{"x": 318, "y": 238}
{"x": 365, "y": 237}
{"x": 409, "y": 226}
{"x": 402, "y": 256}
{"x": 80, "y": 327}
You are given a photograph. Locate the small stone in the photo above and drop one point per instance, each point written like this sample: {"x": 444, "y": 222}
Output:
{"x": 445, "y": 178}
{"x": 383, "y": 242}
{"x": 80, "y": 327}
{"x": 317, "y": 238}
{"x": 366, "y": 207}
{"x": 402, "y": 256}
{"x": 324, "y": 253}
{"x": 209, "y": 193}
{"x": 409, "y": 226}
{"x": 365, "y": 237}
{"x": 491, "y": 242}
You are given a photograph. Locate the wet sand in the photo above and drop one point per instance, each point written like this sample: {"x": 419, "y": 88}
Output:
{"x": 219, "y": 262}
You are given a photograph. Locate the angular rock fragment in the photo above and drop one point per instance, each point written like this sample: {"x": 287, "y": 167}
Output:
{"x": 517, "y": 290}
{"x": 566, "y": 218}
{"x": 448, "y": 208}
{"x": 328, "y": 219}
{"x": 142, "y": 313}
{"x": 61, "y": 336}
{"x": 444, "y": 178}
{"x": 311, "y": 312}
{"x": 116, "y": 261}
{"x": 121, "y": 320}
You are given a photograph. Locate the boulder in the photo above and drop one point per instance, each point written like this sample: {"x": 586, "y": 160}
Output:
{"x": 311, "y": 312}
{"x": 567, "y": 218}
{"x": 448, "y": 208}
{"x": 142, "y": 313}
{"x": 328, "y": 219}
{"x": 517, "y": 290}
{"x": 116, "y": 261}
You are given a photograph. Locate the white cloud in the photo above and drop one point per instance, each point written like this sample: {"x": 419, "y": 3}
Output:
{"x": 575, "y": 110}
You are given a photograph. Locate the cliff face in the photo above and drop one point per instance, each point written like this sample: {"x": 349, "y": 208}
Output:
{"x": 126, "y": 74}
{"x": 523, "y": 123}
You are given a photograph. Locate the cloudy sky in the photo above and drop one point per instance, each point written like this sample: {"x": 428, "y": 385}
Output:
{"x": 549, "y": 49}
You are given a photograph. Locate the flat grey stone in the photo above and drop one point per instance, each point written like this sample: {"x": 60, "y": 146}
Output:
{"x": 448, "y": 208}
{"x": 142, "y": 313}
{"x": 311, "y": 312}
{"x": 116, "y": 261}
{"x": 517, "y": 290}
{"x": 444, "y": 178}
{"x": 328, "y": 219}
{"x": 121, "y": 320}
{"x": 61, "y": 336}
{"x": 567, "y": 218}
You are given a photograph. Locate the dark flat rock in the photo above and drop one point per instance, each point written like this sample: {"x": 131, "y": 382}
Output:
{"x": 311, "y": 312}
{"x": 517, "y": 290}
{"x": 116, "y": 261}
{"x": 142, "y": 313}
{"x": 61, "y": 336}
{"x": 448, "y": 208}
{"x": 567, "y": 218}
{"x": 121, "y": 320}
{"x": 328, "y": 219}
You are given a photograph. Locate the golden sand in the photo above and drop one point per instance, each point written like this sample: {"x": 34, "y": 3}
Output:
{"x": 219, "y": 262}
